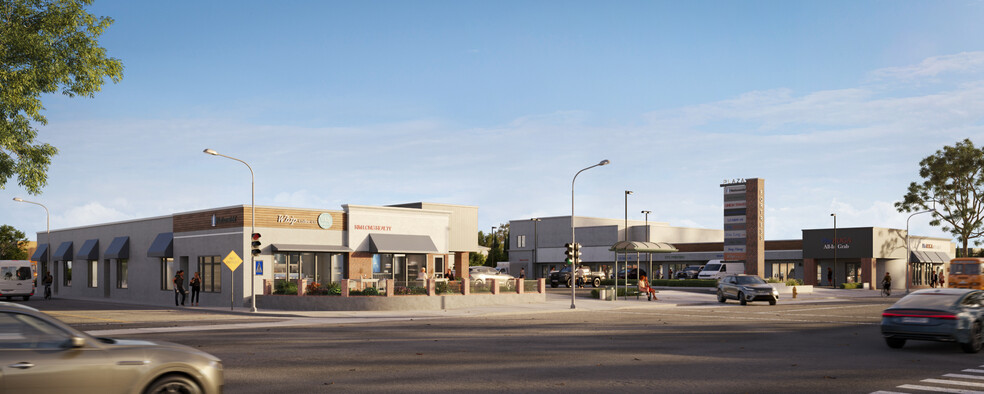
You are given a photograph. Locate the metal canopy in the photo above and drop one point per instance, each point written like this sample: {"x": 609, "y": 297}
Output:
{"x": 119, "y": 248}
{"x": 41, "y": 254}
{"x": 643, "y": 247}
{"x": 310, "y": 248}
{"x": 163, "y": 246}
{"x": 89, "y": 251}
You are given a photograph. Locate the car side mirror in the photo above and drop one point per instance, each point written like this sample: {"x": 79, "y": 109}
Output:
{"x": 76, "y": 342}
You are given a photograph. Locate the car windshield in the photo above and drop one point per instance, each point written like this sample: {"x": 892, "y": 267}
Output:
{"x": 750, "y": 280}
{"x": 965, "y": 268}
{"x": 566, "y": 269}
{"x": 712, "y": 267}
{"x": 928, "y": 301}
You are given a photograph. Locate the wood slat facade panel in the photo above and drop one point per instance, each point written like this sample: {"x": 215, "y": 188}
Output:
{"x": 239, "y": 217}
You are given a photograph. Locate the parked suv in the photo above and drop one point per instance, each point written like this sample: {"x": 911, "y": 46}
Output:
{"x": 690, "y": 272}
{"x": 746, "y": 288}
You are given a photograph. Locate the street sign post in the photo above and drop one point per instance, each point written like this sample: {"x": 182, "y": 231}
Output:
{"x": 233, "y": 261}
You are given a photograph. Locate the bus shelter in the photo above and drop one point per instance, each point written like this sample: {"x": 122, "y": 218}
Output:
{"x": 637, "y": 247}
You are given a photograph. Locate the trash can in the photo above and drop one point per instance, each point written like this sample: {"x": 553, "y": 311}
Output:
{"x": 607, "y": 293}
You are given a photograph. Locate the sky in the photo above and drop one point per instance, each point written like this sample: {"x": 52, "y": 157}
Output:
{"x": 498, "y": 104}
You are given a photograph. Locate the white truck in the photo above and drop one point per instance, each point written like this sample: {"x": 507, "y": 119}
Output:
{"x": 16, "y": 279}
{"x": 717, "y": 269}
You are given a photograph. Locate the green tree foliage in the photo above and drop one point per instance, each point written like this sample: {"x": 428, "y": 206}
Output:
{"x": 954, "y": 178}
{"x": 13, "y": 244}
{"x": 45, "y": 46}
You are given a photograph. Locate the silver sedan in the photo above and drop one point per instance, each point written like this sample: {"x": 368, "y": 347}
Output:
{"x": 39, "y": 354}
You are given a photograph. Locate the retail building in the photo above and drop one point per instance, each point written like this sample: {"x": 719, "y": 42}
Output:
{"x": 136, "y": 260}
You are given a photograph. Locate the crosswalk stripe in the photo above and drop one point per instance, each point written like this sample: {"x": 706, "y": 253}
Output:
{"x": 953, "y": 382}
{"x": 962, "y": 376}
{"x": 938, "y": 389}
{"x": 974, "y": 370}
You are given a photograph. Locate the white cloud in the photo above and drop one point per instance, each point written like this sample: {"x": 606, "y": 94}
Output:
{"x": 964, "y": 62}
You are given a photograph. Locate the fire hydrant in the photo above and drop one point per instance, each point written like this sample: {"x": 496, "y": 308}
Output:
{"x": 794, "y": 291}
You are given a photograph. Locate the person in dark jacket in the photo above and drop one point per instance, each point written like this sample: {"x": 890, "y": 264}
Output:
{"x": 179, "y": 289}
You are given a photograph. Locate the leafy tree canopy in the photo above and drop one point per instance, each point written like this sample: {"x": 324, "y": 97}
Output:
{"x": 45, "y": 46}
{"x": 13, "y": 244}
{"x": 954, "y": 178}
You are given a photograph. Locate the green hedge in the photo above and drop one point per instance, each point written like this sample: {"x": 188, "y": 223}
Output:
{"x": 852, "y": 286}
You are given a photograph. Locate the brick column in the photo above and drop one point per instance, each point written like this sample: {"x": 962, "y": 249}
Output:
{"x": 495, "y": 286}
{"x": 389, "y": 287}
{"x": 345, "y": 287}
{"x": 541, "y": 285}
{"x": 810, "y": 272}
{"x": 519, "y": 285}
{"x": 431, "y": 285}
{"x": 267, "y": 287}
{"x": 301, "y": 286}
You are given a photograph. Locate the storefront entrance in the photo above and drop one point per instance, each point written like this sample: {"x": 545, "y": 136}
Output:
{"x": 315, "y": 267}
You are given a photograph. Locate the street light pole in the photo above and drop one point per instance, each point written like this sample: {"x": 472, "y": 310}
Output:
{"x": 647, "y": 240}
{"x": 573, "y": 274}
{"x": 908, "y": 253}
{"x": 626, "y": 238}
{"x": 47, "y": 230}
{"x": 535, "y": 221}
{"x": 252, "y": 224}
{"x": 835, "y": 248}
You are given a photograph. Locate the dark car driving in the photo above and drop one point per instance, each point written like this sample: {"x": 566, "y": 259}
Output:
{"x": 633, "y": 273}
{"x": 945, "y": 315}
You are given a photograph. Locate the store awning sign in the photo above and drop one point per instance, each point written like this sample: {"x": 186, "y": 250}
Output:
{"x": 232, "y": 260}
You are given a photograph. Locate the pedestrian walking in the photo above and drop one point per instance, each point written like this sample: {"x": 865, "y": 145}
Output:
{"x": 522, "y": 273}
{"x": 830, "y": 276}
{"x": 941, "y": 280}
{"x": 196, "y": 288}
{"x": 179, "y": 289}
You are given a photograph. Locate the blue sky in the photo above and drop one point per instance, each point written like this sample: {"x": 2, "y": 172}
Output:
{"x": 498, "y": 104}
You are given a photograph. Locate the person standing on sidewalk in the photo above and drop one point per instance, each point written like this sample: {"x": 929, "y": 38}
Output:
{"x": 179, "y": 290}
{"x": 196, "y": 288}
{"x": 830, "y": 277}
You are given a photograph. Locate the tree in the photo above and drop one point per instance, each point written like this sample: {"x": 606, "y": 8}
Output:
{"x": 13, "y": 244}
{"x": 45, "y": 46}
{"x": 953, "y": 177}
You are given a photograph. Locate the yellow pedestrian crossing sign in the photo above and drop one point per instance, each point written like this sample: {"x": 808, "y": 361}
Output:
{"x": 232, "y": 260}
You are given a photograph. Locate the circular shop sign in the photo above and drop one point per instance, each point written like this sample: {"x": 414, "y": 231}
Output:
{"x": 325, "y": 221}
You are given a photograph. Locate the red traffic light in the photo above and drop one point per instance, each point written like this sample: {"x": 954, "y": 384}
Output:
{"x": 256, "y": 236}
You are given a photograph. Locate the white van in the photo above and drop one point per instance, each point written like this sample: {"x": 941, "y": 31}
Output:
{"x": 16, "y": 279}
{"x": 717, "y": 269}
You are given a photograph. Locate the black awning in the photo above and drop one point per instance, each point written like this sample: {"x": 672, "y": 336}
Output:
{"x": 64, "y": 252}
{"x": 41, "y": 253}
{"x": 119, "y": 248}
{"x": 919, "y": 256}
{"x": 399, "y": 243}
{"x": 163, "y": 246}
{"x": 309, "y": 248}
{"x": 89, "y": 250}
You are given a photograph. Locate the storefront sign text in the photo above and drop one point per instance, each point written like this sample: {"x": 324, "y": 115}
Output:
{"x": 372, "y": 227}
{"x": 292, "y": 220}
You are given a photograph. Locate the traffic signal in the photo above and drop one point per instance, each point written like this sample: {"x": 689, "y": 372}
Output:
{"x": 256, "y": 244}
{"x": 569, "y": 253}
{"x": 577, "y": 253}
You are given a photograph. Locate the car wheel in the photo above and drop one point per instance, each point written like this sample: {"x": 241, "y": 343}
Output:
{"x": 976, "y": 339}
{"x": 173, "y": 384}
{"x": 772, "y": 301}
{"x": 741, "y": 298}
{"x": 569, "y": 284}
{"x": 895, "y": 343}
{"x": 596, "y": 282}
{"x": 721, "y": 298}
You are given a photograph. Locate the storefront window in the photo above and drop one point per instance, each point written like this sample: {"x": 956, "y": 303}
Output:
{"x": 210, "y": 268}
{"x": 67, "y": 277}
{"x": 93, "y": 271}
{"x": 121, "y": 274}
{"x": 279, "y": 266}
{"x": 167, "y": 272}
{"x": 853, "y": 273}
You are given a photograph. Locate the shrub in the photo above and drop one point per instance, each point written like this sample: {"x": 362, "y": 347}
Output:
{"x": 285, "y": 287}
{"x": 794, "y": 282}
{"x": 595, "y": 294}
{"x": 851, "y": 285}
{"x": 370, "y": 291}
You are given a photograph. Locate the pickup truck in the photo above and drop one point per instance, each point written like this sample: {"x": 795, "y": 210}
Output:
{"x": 584, "y": 275}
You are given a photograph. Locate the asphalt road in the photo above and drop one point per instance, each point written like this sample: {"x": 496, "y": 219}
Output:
{"x": 830, "y": 346}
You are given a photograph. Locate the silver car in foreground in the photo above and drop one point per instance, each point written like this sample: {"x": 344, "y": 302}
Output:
{"x": 745, "y": 289}
{"x": 947, "y": 315}
{"x": 39, "y": 354}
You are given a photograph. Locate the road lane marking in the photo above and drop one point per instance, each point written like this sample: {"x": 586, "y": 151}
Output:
{"x": 938, "y": 389}
{"x": 973, "y": 370}
{"x": 771, "y": 319}
{"x": 957, "y": 375}
{"x": 953, "y": 382}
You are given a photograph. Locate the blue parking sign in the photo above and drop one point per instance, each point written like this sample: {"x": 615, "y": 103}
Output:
{"x": 259, "y": 267}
